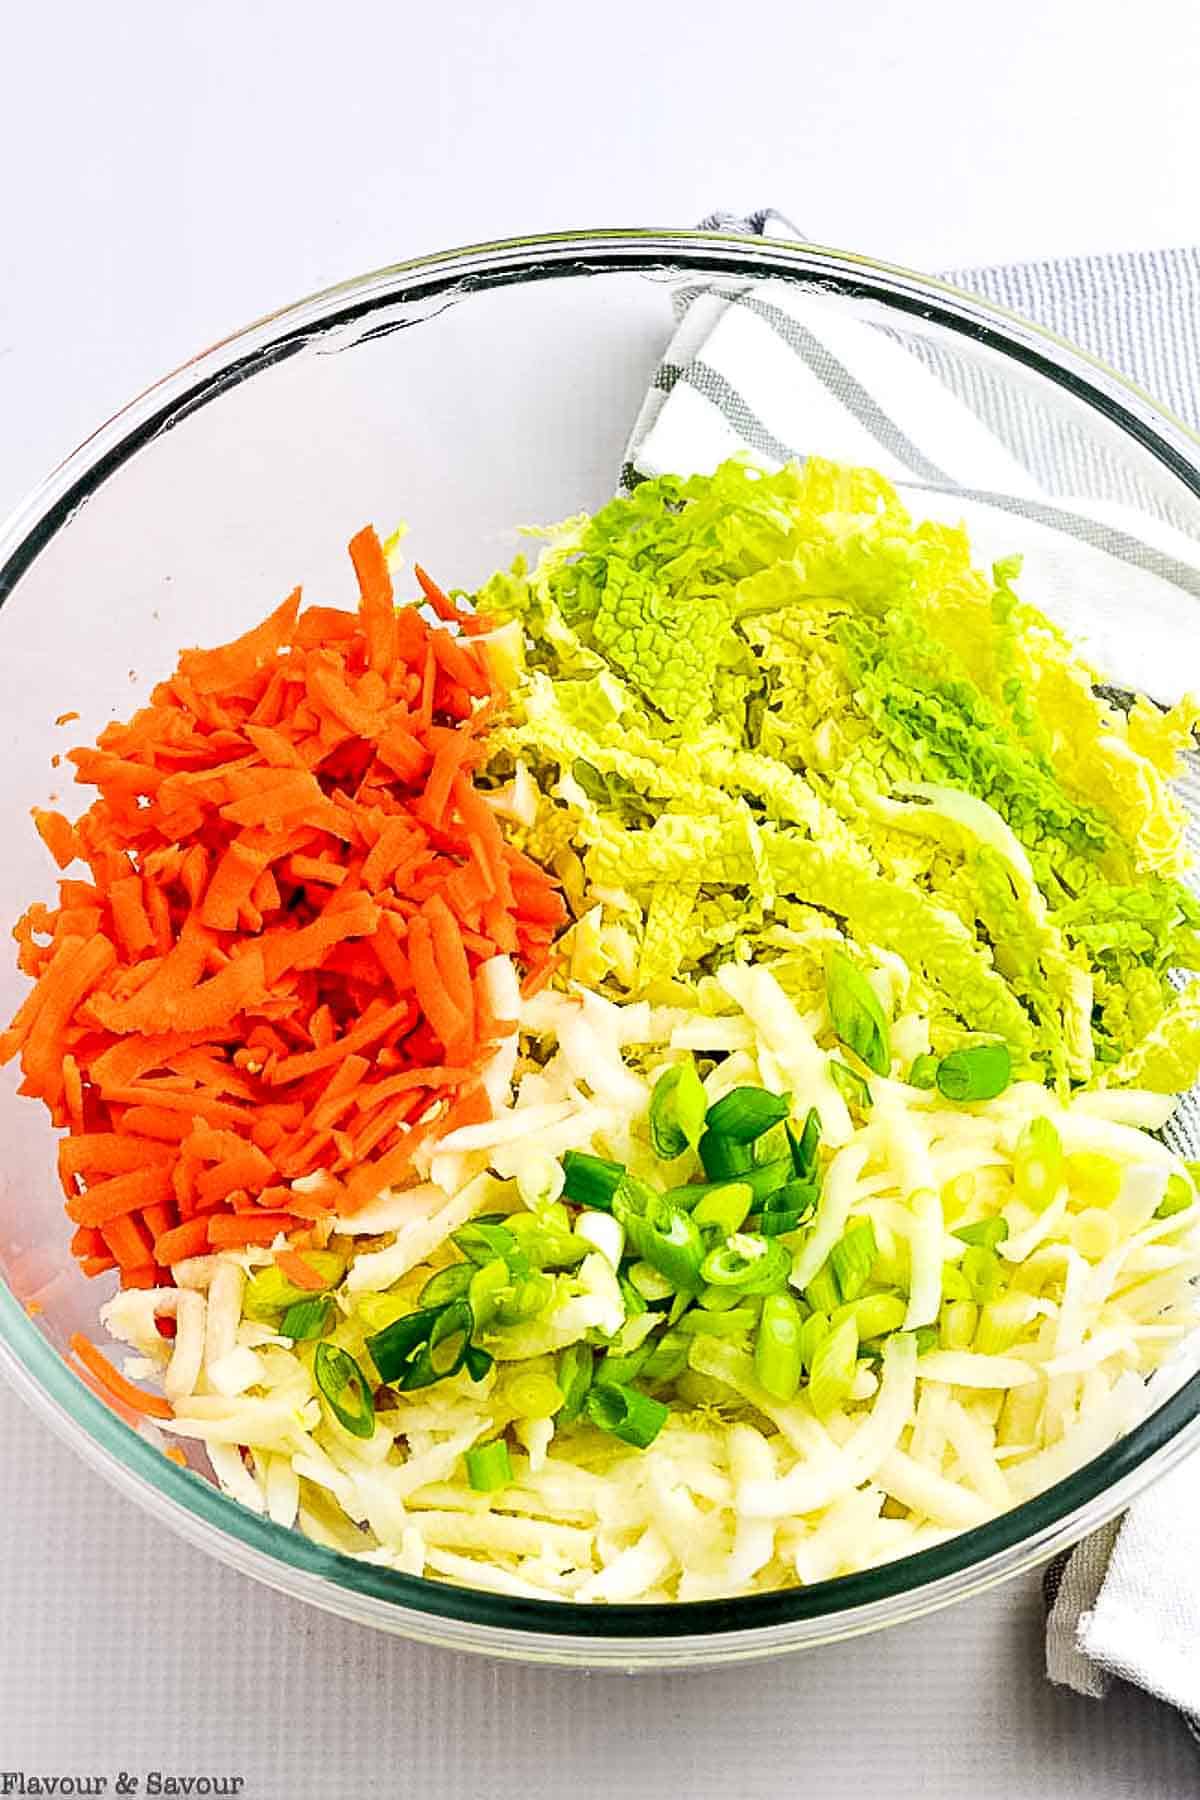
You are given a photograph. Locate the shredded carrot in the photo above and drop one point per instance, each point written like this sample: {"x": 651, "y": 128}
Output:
{"x": 97, "y": 1364}
{"x": 181, "y": 1242}
{"x": 177, "y": 1456}
{"x": 271, "y": 970}
{"x": 300, "y": 1273}
{"x": 228, "y": 1233}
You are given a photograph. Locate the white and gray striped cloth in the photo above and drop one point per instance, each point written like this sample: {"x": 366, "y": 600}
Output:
{"x": 785, "y": 371}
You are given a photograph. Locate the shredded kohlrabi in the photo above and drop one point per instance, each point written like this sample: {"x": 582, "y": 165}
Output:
{"x": 1035, "y": 1291}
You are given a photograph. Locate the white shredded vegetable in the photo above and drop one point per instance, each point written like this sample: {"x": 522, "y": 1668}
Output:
{"x": 968, "y": 1406}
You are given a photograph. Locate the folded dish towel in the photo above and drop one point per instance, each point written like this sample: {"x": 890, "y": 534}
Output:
{"x": 765, "y": 366}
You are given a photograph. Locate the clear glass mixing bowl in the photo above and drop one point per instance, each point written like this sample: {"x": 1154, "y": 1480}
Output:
{"x": 466, "y": 392}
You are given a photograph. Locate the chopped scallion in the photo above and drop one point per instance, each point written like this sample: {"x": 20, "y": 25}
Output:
{"x": 805, "y": 1147}
{"x": 489, "y": 1467}
{"x": 449, "y": 1284}
{"x": 697, "y": 1322}
{"x": 854, "y": 1090}
{"x": 724, "y": 1209}
{"x": 344, "y": 1389}
{"x": 748, "y": 1265}
{"x": 988, "y": 1232}
{"x": 590, "y": 1180}
{"x": 855, "y": 1013}
{"x": 777, "y": 1361}
{"x": 978, "y": 1072}
{"x": 852, "y": 1257}
{"x": 724, "y": 1158}
{"x": 923, "y": 1073}
{"x": 574, "y": 1377}
{"x": 307, "y": 1318}
{"x": 677, "y": 1108}
{"x": 634, "y": 1417}
{"x": 745, "y": 1114}
{"x": 833, "y": 1368}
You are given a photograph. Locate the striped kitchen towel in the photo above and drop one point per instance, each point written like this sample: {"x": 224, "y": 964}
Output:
{"x": 780, "y": 370}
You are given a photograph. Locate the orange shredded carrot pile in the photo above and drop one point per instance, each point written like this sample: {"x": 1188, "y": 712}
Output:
{"x": 268, "y": 991}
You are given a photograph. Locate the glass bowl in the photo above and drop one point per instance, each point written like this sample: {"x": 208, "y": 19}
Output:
{"x": 466, "y": 392}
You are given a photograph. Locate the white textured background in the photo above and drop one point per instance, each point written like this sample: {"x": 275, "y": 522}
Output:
{"x": 168, "y": 172}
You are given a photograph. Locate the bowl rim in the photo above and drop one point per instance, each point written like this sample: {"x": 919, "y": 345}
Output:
{"x": 688, "y": 1632}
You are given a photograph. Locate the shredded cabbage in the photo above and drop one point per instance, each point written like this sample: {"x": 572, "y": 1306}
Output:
{"x": 748, "y": 693}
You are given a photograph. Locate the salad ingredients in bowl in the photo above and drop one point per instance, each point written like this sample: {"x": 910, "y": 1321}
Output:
{"x": 644, "y": 1083}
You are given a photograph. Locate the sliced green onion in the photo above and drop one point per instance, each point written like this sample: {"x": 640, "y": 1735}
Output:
{"x": 524, "y": 1300}
{"x": 779, "y": 1224}
{"x": 745, "y": 1113}
{"x": 833, "y": 1368}
{"x": 307, "y": 1318}
{"x": 590, "y": 1180}
{"x": 855, "y": 1013}
{"x": 988, "y": 1232}
{"x": 574, "y": 1377}
{"x": 677, "y": 1108}
{"x": 489, "y": 1467}
{"x": 766, "y": 1178}
{"x": 649, "y": 1285}
{"x": 926, "y": 1338}
{"x": 481, "y": 1241}
{"x": 691, "y": 1193}
{"x": 814, "y": 1329}
{"x": 662, "y": 1235}
{"x": 805, "y": 1147}
{"x": 636, "y": 1302}
{"x": 777, "y": 1361}
{"x": 269, "y": 1291}
{"x": 874, "y": 1315}
{"x": 763, "y": 1179}
{"x": 850, "y": 1084}
{"x": 620, "y": 1370}
{"x": 923, "y": 1073}
{"x": 547, "y": 1244}
{"x": 852, "y": 1257}
{"x": 1038, "y": 1164}
{"x": 979, "y": 1072}
{"x": 445, "y": 1352}
{"x": 477, "y": 1362}
{"x": 345, "y": 1389}
{"x": 981, "y": 1267}
{"x": 488, "y": 1288}
{"x": 633, "y": 1417}
{"x": 822, "y": 1291}
{"x": 679, "y": 1306}
{"x": 724, "y": 1208}
{"x": 391, "y": 1348}
{"x": 449, "y": 1284}
{"x": 955, "y": 1285}
{"x": 699, "y": 1323}
{"x": 786, "y": 1209}
{"x": 668, "y": 1357}
{"x": 747, "y": 1265}
{"x": 718, "y": 1299}
{"x": 724, "y": 1158}
{"x": 1001, "y": 1323}
{"x": 1178, "y": 1195}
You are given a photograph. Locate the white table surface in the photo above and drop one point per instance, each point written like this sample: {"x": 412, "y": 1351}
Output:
{"x": 168, "y": 173}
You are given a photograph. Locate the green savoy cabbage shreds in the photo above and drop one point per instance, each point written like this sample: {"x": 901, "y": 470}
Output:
{"x": 756, "y": 703}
